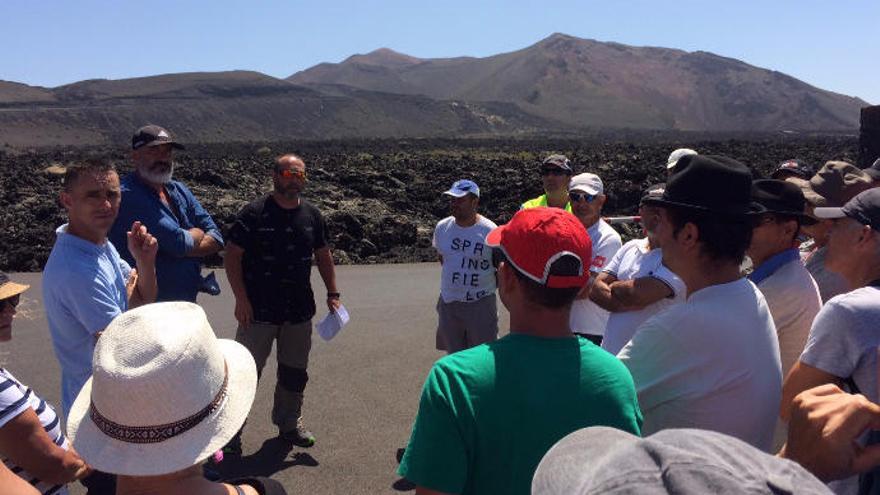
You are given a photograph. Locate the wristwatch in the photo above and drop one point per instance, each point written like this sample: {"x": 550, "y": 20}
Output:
{"x": 333, "y": 295}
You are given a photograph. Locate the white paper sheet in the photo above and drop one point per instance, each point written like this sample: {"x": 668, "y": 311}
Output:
{"x": 333, "y": 322}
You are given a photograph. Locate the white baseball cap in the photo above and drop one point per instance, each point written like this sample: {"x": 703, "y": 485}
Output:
{"x": 677, "y": 155}
{"x": 586, "y": 182}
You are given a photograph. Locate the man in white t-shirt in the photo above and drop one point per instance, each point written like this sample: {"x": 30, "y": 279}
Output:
{"x": 711, "y": 362}
{"x": 587, "y": 196}
{"x": 788, "y": 287}
{"x": 467, "y": 310}
{"x": 635, "y": 285}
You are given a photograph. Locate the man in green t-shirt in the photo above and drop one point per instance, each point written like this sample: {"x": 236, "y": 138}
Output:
{"x": 489, "y": 413}
{"x": 555, "y": 174}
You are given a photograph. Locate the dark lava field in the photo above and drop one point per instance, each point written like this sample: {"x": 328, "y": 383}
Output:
{"x": 381, "y": 198}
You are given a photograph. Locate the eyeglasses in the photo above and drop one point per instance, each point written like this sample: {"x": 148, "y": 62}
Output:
{"x": 11, "y": 301}
{"x": 553, "y": 171}
{"x": 289, "y": 173}
{"x": 577, "y": 197}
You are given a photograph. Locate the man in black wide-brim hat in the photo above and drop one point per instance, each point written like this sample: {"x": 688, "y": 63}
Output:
{"x": 712, "y": 362}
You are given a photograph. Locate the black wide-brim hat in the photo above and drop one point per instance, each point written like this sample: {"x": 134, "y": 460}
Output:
{"x": 782, "y": 198}
{"x": 710, "y": 183}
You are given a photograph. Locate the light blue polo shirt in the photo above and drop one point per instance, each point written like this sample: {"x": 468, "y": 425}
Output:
{"x": 83, "y": 290}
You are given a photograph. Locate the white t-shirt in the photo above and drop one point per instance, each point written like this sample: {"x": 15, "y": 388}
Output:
{"x": 712, "y": 363}
{"x": 844, "y": 339}
{"x": 586, "y": 316}
{"x": 633, "y": 261}
{"x": 468, "y": 274}
{"x": 793, "y": 298}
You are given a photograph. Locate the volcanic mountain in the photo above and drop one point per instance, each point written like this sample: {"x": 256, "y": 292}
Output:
{"x": 560, "y": 85}
{"x": 585, "y": 83}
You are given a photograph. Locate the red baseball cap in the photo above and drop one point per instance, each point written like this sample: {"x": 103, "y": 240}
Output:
{"x": 537, "y": 239}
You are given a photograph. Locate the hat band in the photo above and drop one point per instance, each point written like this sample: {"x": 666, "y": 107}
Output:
{"x": 159, "y": 433}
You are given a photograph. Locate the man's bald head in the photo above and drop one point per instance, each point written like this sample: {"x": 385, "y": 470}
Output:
{"x": 290, "y": 159}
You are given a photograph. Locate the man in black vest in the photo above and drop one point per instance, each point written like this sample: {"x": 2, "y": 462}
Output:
{"x": 268, "y": 262}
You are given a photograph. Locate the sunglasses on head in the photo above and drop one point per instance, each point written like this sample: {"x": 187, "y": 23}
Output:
{"x": 579, "y": 196}
{"x": 289, "y": 173}
{"x": 11, "y": 301}
{"x": 553, "y": 171}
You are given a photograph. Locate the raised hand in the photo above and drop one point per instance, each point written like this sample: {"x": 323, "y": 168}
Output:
{"x": 141, "y": 244}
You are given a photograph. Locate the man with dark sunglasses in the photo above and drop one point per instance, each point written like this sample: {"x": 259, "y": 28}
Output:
{"x": 555, "y": 172}
{"x": 268, "y": 263}
{"x": 587, "y": 195}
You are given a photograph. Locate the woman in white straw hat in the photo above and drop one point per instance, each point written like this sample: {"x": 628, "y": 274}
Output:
{"x": 164, "y": 395}
{"x": 32, "y": 444}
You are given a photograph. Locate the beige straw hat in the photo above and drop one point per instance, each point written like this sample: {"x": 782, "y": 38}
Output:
{"x": 8, "y": 288}
{"x": 165, "y": 393}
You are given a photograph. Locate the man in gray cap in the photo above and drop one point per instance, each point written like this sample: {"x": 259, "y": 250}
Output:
{"x": 185, "y": 231}
{"x": 835, "y": 184}
{"x": 712, "y": 362}
{"x": 843, "y": 341}
{"x": 466, "y": 309}
{"x": 555, "y": 172}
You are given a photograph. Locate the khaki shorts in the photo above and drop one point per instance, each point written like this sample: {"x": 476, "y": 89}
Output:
{"x": 462, "y": 325}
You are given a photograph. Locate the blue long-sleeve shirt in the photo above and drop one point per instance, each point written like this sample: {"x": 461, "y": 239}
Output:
{"x": 178, "y": 276}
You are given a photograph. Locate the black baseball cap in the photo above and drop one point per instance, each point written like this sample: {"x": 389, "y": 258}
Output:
{"x": 864, "y": 208}
{"x": 793, "y": 167}
{"x": 153, "y": 135}
{"x": 558, "y": 161}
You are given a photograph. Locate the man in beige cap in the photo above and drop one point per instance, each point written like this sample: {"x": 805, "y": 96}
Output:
{"x": 836, "y": 183}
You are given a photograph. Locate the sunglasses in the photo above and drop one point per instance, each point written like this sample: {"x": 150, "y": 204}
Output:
{"x": 11, "y": 301}
{"x": 553, "y": 171}
{"x": 577, "y": 197}
{"x": 289, "y": 173}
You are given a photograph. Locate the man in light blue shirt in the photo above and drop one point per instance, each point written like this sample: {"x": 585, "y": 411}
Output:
{"x": 185, "y": 231}
{"x": 85, "y": 283}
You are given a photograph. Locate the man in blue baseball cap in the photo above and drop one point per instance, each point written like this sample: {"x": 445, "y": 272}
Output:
{"x": 467, "y": 310}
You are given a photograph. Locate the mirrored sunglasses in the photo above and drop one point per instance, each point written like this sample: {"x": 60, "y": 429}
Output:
{"x": 289, "y": 173}
{"x": 578, "y": 196}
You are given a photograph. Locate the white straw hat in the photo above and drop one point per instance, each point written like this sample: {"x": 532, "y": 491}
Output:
{"x": 165, "y": 393}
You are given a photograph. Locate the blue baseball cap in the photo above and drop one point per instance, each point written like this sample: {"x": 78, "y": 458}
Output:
{"x": 462, "y": 187}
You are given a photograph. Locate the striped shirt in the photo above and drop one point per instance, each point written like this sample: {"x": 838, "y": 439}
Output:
{"x": 15, "y": 399}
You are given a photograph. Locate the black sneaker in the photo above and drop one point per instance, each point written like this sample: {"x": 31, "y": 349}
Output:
{"x": 233, "y": 448}
{"x": 299, "y": 436}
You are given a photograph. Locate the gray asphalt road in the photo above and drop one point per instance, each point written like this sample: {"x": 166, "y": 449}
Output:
{"x": 363, "y": 390}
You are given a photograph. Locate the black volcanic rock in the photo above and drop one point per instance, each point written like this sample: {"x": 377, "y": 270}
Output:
{"x": 381, "y": 199}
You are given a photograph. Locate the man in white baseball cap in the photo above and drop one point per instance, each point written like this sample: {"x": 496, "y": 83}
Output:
{"x": 675, "y": 156}
{"x": 467, "y": 310}
{"x": 587, "y": 196}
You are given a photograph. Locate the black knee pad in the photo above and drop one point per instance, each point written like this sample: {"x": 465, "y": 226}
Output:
{"x": 292, "y": 379}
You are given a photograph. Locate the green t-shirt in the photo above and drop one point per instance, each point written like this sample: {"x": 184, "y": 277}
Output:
{"x": 541, "y": 201}
{"x": 488, "y": 414}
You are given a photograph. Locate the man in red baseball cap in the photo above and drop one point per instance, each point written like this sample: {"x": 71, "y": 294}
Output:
{"x": 489, "y": 413}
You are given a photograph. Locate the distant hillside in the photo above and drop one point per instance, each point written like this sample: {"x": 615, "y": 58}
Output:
{"x": 586, "y": 83}
{"x": 561, "y": 85}
{"x": 237, "y": 106}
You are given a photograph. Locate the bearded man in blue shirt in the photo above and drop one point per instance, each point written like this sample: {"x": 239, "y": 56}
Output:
{"x": 185, "y": 231}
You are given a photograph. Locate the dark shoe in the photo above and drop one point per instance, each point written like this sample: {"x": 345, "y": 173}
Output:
{"x": 299, "y": 436}
{"x": 233, "y": 448}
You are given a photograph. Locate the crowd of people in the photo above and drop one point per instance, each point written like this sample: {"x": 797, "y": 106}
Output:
{"x": 731, "y": 348}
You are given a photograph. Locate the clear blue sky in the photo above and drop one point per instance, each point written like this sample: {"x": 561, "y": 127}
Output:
{"x": 832, "y": 45}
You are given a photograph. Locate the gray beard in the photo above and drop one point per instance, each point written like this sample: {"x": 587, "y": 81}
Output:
{"x": 163, "y": 178}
